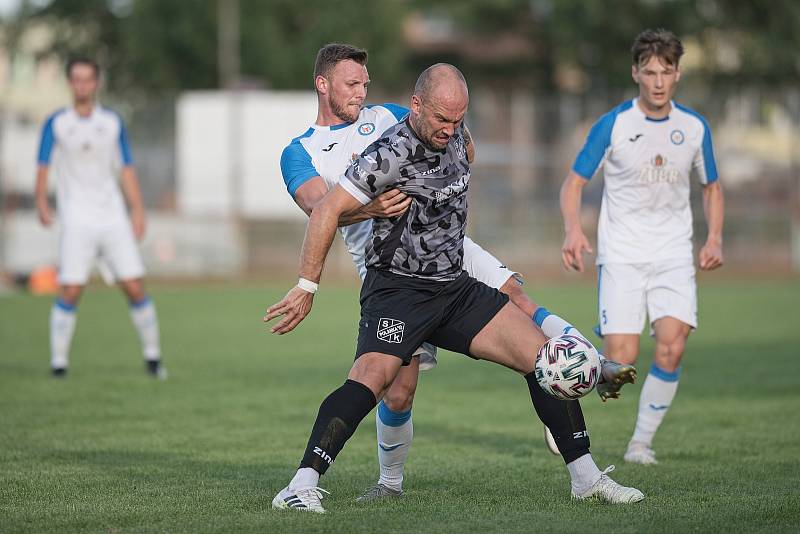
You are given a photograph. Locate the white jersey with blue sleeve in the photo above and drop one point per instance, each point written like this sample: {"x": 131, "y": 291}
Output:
{"x": 86, "y": 154}
{"x": 645, "y": 214}
{"x": 327, "y": 151}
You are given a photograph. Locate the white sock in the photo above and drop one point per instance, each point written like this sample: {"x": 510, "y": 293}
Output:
{"x": 395, "y": 432}
{"x": 657, "y": 393}
{"x": 552, "y": 325}
{"x": 305, "y": 477}
{"x": 143, "y": 315}
{"x": 583, "y": 474}
{"x": 62, "y": 325}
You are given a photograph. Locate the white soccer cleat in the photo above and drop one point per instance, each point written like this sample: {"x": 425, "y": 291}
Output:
{"x": 550, "y": 441}
{"x": 606, "y": 490}
{"x": 640, "y": 453}
{"x": 305, "y": 500}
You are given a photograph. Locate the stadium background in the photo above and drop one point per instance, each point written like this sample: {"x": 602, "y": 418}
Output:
{"x": 212, "y": 99}
{"x": 211, "y": 91}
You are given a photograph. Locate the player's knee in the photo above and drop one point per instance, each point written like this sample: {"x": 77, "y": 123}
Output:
{"x": 399, "y": 401}
{"x": 374, "y": 371}
{"x": 134, "y": 290}
{"x": 70, "y": 295}
{"x": 400, "y": 395}
{"x": 623, "y": 353}
{"x": 669, "y": 353}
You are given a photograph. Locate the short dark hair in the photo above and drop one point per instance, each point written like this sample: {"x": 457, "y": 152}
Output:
{"x": 332, "y": 53}
{"x": 81, "y": 60}
{"x": 660, "y": 43}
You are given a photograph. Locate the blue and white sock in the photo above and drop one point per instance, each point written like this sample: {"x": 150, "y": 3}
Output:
{"x": 63, "y": 317}
{"x": 658, "y": 391}
{"x": 552, "y": 325}
{"x": 143, "y": 315}
{"x": 395, "y": 432}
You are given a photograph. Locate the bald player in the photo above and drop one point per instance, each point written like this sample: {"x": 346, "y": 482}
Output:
{"x": 416, "y": 290}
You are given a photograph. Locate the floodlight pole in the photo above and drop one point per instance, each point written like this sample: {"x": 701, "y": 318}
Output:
{"x": 228, "y": 69}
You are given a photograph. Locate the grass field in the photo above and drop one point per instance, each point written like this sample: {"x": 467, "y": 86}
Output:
{"x": 110, "y": 450}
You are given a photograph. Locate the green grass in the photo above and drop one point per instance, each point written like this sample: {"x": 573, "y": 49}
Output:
{"x": 110, "y": 450}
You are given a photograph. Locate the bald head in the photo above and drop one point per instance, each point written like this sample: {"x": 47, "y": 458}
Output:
{"x": 441, "y": 80}
{"x": 438, "y": 105}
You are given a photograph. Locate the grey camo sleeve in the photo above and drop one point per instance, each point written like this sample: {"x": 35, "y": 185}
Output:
{"x": 374, "y": 172}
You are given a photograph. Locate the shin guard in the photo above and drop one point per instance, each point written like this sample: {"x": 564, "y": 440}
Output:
{"x": 338, "y": 417}
{"x": 563, "y": 418}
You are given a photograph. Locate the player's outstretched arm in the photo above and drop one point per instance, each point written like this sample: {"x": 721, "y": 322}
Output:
{"x": 714, "y": 206}
{"x": 389, "y": 204}
{"x": 133, "y": 194}
{"x": 575, "y": 241}
{"x": 319, "y": 235}
{"x": 42, "y": 205}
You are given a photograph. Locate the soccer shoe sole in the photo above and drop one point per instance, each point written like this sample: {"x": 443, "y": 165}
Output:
{"x": 609, "y": 389}
{"x": 550, "y": 442}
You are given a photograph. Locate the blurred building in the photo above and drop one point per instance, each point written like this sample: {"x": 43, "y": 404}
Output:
{"x": 209, "y": 161}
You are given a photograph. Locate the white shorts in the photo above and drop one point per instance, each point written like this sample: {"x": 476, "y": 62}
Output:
{"x": 629, "y": 293}
{"x": 485, "y": 268}
{"x": 113, "y": 243}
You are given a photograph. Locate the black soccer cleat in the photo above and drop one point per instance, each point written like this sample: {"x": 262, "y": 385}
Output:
{"x": 59, "y": 372}
{"x": 155, "y": 369}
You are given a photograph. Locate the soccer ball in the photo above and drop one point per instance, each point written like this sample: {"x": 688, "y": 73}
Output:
{"x": 567, "y": 367}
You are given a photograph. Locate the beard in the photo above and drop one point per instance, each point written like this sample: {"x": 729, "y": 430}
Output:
{"x": 426, "y": 134}
{"x": 343, "y": 111}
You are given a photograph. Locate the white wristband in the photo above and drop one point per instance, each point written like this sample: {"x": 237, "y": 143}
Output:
{"x": 307, "y": 285}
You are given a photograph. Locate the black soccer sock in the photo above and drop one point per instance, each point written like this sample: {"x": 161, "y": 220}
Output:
{"x": 563, "y": 418}
{"x": 338, "y": 417}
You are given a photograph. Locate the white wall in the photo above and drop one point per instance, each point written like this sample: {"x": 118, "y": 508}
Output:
{"x": 228, "y": 149}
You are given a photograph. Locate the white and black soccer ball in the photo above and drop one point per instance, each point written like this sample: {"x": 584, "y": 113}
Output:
{"x": 567, "y": 367}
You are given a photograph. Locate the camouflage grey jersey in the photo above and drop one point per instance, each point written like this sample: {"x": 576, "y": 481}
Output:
{"x": 427, "y": 240}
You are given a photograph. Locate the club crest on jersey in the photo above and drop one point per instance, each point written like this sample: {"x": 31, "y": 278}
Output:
{"x": 677, "y": 137}
{"x": 366, "y": 128}
{"x": 461, "y": 148}
{"x": 391, "y": 330}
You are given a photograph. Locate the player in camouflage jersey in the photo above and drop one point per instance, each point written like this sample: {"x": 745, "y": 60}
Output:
{"x": 416, "y": 290}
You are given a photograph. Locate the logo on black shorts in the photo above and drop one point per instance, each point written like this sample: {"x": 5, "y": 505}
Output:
{"x": 391, "y": 330}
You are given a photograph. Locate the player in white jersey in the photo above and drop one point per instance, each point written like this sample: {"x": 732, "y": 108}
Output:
{"x": 87, "y": 145}
{"x": 312, "y": 165}
{"x": 647, "y": 147}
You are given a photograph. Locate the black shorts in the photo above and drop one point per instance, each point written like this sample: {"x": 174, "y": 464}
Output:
{"x": 399, "y": 312}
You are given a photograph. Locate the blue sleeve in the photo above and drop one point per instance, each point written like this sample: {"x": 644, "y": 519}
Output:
{"x": 594, "y": 149}
{"x": 124, "y": 145}
{"x": 398, "y": 111}
{"x": 708, "y": 155}
{"x": 296, "y": 167}
{"x": 47, "y": 141}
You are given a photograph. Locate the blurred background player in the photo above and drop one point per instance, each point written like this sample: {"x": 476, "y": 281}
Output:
{"x": 647, "y": 146}
{"x": 87, "y": 144}
{"x": 312, "y": 165}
